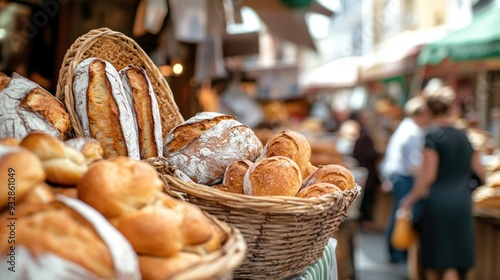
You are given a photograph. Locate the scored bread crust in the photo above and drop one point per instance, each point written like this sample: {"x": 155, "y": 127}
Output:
{"x": 318, "y": 190}
{"x": 234, "y": 174}
{"x": 276, "y": 175}
{"x": 205, "y": 158}
{"x": 333, "y": 174}
{"x": 140, "y": 93}
{"x": 103, "y": 109}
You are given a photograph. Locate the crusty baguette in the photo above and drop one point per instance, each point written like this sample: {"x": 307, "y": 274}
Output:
{"x": 145, "y": 107}
{"x": 103, "y": 109}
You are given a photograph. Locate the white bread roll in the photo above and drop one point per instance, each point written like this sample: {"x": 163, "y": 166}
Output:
{"x": 27, "y": 107}
{"x": 273, "y": 176}
{"x": 204, "y": 145}
{"x": 103, "y": 109}
{"x": 140, "y": 92}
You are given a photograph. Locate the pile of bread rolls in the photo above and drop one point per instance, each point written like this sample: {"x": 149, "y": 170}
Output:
{"x": 488, "y": 195}
{"x": 165, "y": 235}
{"x": 216, "y": 150}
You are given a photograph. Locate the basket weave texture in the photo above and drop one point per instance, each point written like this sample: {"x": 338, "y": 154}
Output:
{"x": 284, "y": 235}
{"x": 120, "y": 51}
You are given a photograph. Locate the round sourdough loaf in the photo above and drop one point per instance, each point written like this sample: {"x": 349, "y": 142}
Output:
{"x": 290, "y": 144}
{"x": 276, "y": 175}
{"x": 333, "y": 174}
{"x": 318, "y": 190}
{"x": 204, "y": 145}
{"x": 233, "y": 176}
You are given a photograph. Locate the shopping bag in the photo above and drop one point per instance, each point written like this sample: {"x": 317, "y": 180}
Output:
{"x": 403, "y": 233}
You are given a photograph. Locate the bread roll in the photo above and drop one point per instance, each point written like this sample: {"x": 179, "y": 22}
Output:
{"x": 290, "y": 144}
{"x": 318, "y": 190}
{"x": 63, "y": 165}
{"x": 276, "y": 175}
{"x": 203, "y": 146}
{"x": 41, "y": 193}
{"x": 21, "y": 170}
{"x": 10, "y": 141}
{"x": 89, "y": 147}
{"x": 145, "y": 108}
{"x": 26, "y": 107}
{"x": 487, "y": 197}
{"x": 311, "y": 168}
{"x": 119, "y": 186}
{"x": 154, "y": 268}
{"x": 233, "y": 176}
{"x": 103, "y": 109}
{"x": 333, "y": 174}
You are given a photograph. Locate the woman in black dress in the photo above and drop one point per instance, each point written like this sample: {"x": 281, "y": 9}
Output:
{"x": 445, "y": 226}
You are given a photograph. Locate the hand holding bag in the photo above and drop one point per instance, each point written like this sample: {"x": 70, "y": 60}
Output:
{"x": 403, "y": 234}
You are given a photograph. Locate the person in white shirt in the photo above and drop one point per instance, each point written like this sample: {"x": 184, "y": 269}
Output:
{"x": 402, "y": 158}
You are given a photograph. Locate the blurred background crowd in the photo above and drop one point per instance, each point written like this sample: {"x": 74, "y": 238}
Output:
{"x": 342, "y": 72}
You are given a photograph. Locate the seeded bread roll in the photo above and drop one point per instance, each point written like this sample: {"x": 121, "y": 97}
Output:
{"x": 318, "y": 190}
{"x": 276, "y": 175}
{"x": 290, "y": 144}
{"x": 145, "y": 108}
{"x": 103, "y": 110}
{"x": 333, "y": 174}
{"x": 234, "y": 174}
{"x": 21, "y": 170}
{"x": 62, "y": 164}
{"x": 203, "y": 146}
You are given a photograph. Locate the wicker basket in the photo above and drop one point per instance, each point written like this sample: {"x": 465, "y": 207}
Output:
{"x": 284, "y": 235}
{"x": 120, "y": 51}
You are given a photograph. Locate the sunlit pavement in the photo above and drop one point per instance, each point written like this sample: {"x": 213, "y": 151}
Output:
{"x": 371, "y": 259}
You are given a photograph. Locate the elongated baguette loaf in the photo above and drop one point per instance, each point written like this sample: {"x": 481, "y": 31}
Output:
{"x": 103, "y": 109}
{"x": 145, "y": 108}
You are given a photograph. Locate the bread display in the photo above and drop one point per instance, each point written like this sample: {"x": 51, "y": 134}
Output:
{"x": 290, "y": 144}
{"x": 63, "y": 165}
{"x": 145, "y": 108}
{"x": 487, "y": 197}
{"x": 318, "y": 190}
{"x": 204, "y": 145}
{"x": 90, "y": 148}
{"x": 20, "y": 171}
{"x": 27, "y": 107}
{"x": 234, "y": 174}
{"x": 276, "y": 175}
{"x": 332, "y": 173}
{"x": 103, "y": 108}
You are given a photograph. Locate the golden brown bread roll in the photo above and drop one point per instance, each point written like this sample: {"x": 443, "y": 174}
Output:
{"x": 20, "y": 171}
{"x": 103, "y": 110}
{"x": 41, "y": 193}
{"x": 119, "y": 185}
{"x": 487, "y": 197}
{"x": 233, "y": 176}
{"x": 290, "y": 144}
{"x": 10, "y": 141}
{"x": 318, "y": 190}
{"x": 333, "y": 174}
{"x": 62, "y": 164}
{"x": 275, "y": 175}
{"x": 90, "y": 148}
{"x": 204, "y": 145}
{"x": 70, "y": 192}
{"x": 154, "y": 268}
{"x": 138, "y": 88}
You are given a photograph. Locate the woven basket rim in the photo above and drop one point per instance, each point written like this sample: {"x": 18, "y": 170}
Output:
{"x": 76, "y": 53}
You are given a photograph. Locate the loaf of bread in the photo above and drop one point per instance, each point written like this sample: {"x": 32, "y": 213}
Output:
{"x": 332, "y": 173}
{"x": 138, "y": 89}
{"x": 20, "y": 171}
{"x": 10, "y": 141}
{"x": 90, "y": 148}
{"x": 204, "y": 145}
{"x": 234, "y": 174}
{"x": 66, "y": 239}
{"x": 275, "y": 175}
{"x": 40, "y": 193}
{"x": 487, "y": 197}
{"x": 27, "y": 107}
{"x": 63, "y": 165}
{"x": 318, "y": 190}
{"x": 103, "y": 109}
{"x": 290, "y": 144}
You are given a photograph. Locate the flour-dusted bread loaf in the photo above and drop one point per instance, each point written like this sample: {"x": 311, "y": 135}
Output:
{"x": 290, "y": 144}
{"x": 204, "y": 145}
{"x": 276, "y": 175}
{"x": 103, "y": 108}
{"x": 138, "y": 88}
{"x": 66, "y": 239}
{"x": 27, "y": 107}
{"x": 332, "y": 173}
